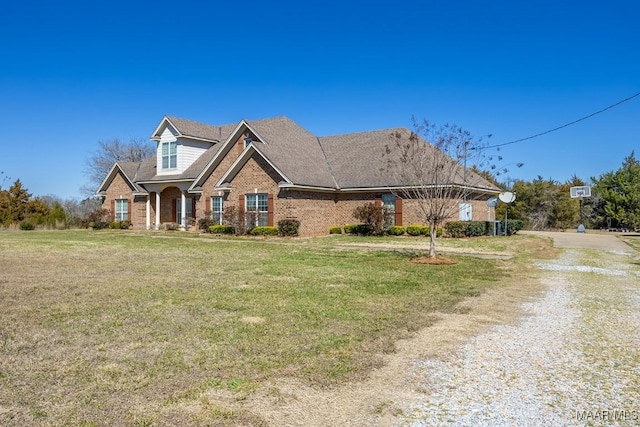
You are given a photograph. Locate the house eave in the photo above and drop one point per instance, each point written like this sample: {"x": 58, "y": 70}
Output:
{"x": 397, "y": 188}
{"x": 165, "y": 181}
{"x": 291, "y": 186}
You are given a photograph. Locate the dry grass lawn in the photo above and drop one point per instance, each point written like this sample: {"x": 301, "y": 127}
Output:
{"x": 124, "y": 328}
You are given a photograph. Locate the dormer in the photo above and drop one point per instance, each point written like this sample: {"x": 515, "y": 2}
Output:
{"x": 180, "y": 143}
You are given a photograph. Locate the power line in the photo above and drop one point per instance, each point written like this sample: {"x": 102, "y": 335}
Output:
{"x": 565, "y": 125}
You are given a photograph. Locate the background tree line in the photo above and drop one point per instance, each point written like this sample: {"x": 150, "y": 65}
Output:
{"x": 19, "y": 207}
{"x": 546, "y": 204}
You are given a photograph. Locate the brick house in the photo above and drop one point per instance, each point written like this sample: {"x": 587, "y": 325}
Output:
{"x": 265, "y": 171}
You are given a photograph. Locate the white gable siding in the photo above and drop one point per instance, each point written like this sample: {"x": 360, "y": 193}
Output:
{"x": 168, "y": 135}
{"x": 189, "y": 151}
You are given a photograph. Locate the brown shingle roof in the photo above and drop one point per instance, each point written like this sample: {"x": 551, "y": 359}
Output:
{"x": 296, "y": 152}
{"x": 350, "y": 161}
{"x": 361, "y": 160}
{"x": 189, "y": 128}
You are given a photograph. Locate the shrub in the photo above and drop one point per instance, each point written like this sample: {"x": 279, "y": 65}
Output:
{"x": 27, "y": 225}
{"x": 476, "y": 228}
{"x": 335, "y": 230}
{"x": 234, "y": 217}
{"x": 396, "y": 230}
{"x": 350, "y": 228}
{"x": 417, "y": 230}
{"x": 120, "y": 225}
{"x": 97, "y": 219}
{"x": 513, "y": 226}
{"x": 171, "y": 226}
{"x": 288, "y": 227}
{"x": 359, "y": 229}
{"x": 372, "y": 215}
{"x": 427, "y": 231}
{"x": 264, "y": 230}
{"x": 99, "y": 225}
{"x": 222, "y": 229}
{"x": 204, "y": 224}
{"x": 456, "y": 229}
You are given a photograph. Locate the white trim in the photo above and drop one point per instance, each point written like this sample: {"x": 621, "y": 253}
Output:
{"x": 242, "y": 159}
{"x": 148, "y": 212}
{"x": 223, "y": 151}
{"x": 291, "y": 186}
{"x": 158, "y": 210}
{"x": 165, "y": 181}
{"x": 111, "y": 175}
{"x": 166, "y": 121}
{"x": 242, "y": 126}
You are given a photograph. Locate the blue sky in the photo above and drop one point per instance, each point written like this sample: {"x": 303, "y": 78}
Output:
{"x": 76, "y": 73}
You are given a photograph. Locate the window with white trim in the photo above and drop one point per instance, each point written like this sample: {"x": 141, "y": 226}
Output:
{"x": 189, "y": 209}
{"x": 121, "y": 210}
{"x": 465, "y": 212}
{"x": 217, "y": 205}
{"x": 169, "y": 155}
{"x": 389, "y": 204}
{"x": 256, "y": 210}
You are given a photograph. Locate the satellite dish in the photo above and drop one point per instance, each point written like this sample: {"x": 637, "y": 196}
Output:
{"x": 492, "y": 202}
{"x": 507, "y": 197}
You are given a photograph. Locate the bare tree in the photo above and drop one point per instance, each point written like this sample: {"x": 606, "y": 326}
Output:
{"x": 112, "y": 151}
{"x": 430, "y": 168}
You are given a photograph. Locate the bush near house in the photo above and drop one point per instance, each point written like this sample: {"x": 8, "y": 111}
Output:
{"x": 120, "y": 225}
{"x": 422, "y": 230}
{"x": 335, "y": 230}
{"x": 288, "y": 227}
{"x": 459, "y": 229}
{"x": 261, "y": 230}
{"x": 205, "y": 223}
{"x": 396, "y": 230}
{"x": 359, "y": 229}
{"x": 417, "y": 230}
{"x": 513, "y": 226}
{"x": 221, "y": 229}
{"x": 372, "y": 216}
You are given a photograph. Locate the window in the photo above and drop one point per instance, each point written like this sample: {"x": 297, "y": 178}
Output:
{"x": 389, "y": 204}
{"x": 188, "y": 214}
{"x": 121, "y": 210}
{"x": 256, "y": 210}
{"x": 216, "y": 209}
{"x": 465, "y": 212}
{"x": 169, "y": 155}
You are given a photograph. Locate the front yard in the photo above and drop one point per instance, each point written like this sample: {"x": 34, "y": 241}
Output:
{"x": 124, "y": 328}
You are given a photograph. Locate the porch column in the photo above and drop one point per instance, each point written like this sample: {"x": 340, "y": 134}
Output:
{"x": 148, "y": 211}
{"x": 183, "y": 211}
{"x": 157, "y": 210}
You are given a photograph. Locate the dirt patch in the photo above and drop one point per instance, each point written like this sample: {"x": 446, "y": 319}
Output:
{"x": 433, "y": 261}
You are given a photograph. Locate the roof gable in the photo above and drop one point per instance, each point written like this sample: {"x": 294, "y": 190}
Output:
{"x": 239, "y": 163}
{"x": 192, "y": 130}
{"x": 129, "y": 171}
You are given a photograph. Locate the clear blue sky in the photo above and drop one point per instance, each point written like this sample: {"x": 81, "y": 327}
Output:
{"x": 76, "y": 73}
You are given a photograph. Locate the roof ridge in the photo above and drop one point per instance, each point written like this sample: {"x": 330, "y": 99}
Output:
{"x": 329, "y": 166}
{"x": 366, "y": 132}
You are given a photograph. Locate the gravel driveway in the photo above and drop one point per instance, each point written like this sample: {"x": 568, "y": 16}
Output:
{"x": 573, "y": 361}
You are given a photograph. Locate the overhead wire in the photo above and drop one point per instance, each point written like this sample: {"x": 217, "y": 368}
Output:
{"x": 565, "y": 125}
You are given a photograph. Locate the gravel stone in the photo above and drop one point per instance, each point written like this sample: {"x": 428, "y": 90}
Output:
{"x": 572, "y": 360}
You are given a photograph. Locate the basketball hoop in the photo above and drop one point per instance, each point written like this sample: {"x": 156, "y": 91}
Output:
{"x": 580, "y": 193}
